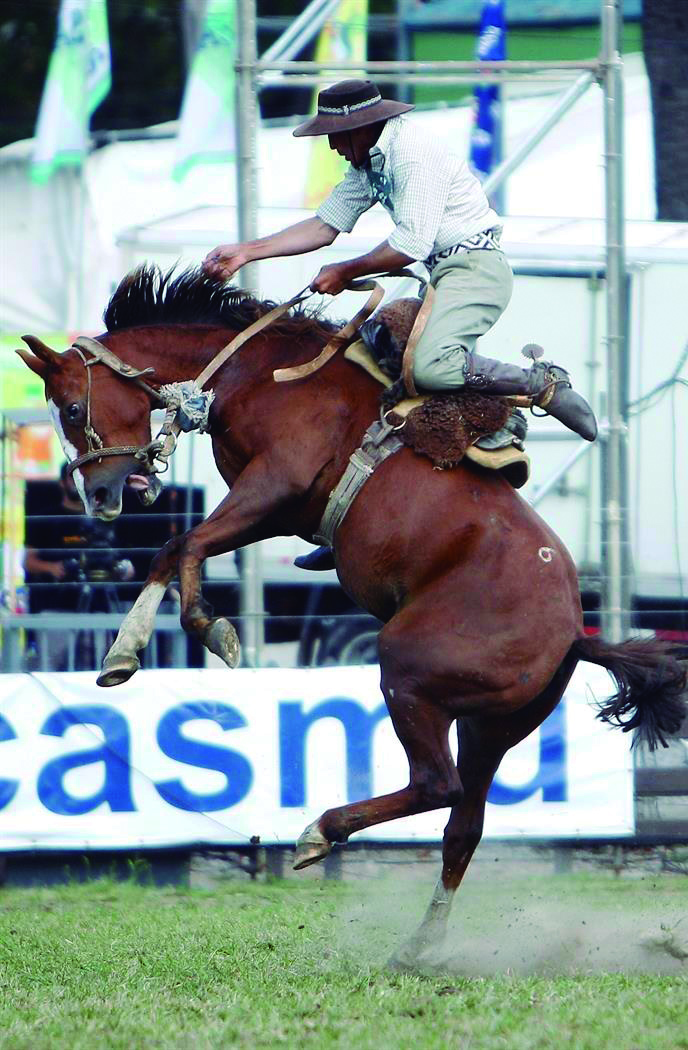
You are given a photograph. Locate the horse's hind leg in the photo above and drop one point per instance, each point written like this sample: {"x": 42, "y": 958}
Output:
{"x": 423, "y": 729}
{"x": 433, "y": 783}
{"x": 121, "y": 661}
{"x": 483, "y": 742}
{"x": 481, "y": 748}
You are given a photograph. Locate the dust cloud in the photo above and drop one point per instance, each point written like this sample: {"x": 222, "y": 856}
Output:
{"x": 552, "y": 925}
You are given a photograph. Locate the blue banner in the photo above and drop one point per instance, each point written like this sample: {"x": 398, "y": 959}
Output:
{"x": 486, "y": 134}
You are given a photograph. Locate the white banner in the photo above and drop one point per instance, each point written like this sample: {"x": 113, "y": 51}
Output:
{"x": 215, "y": 757}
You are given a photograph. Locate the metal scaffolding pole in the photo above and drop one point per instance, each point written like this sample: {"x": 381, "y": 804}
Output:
{"x": 615, "y": 546}
{"x": 302, "y": 74}
{"x": 563, "y": 105}
{"x": 247, "y": 228}
{"x": 301, "y": 31}
{"x": 485, "y": 72}
{"x": 607, "y": 69}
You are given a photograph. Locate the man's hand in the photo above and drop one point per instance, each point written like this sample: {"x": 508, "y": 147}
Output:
{"x": 331, "y": 280}
{"x": 225, "y": 260}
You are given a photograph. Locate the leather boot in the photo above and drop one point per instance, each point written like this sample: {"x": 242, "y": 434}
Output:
{"x": 547, "y": 383}
{"x": 318, "y": 560}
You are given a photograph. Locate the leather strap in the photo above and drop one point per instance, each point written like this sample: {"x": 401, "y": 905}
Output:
{"x": 412, "y": 341}
{"x": 379, "y": 442}
{"x": 101, "y": 355}
{"x": 286, "y": 375}
{"x": 248, "y": 333}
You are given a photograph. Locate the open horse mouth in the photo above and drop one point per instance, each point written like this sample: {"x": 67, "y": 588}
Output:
{"x": 147, "y": 486}
{"x": 106, "y": 501}
{"x": 101, "y": 506}
{"x": 138, "y": 482}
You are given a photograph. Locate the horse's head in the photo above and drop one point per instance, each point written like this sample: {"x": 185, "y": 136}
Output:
{"x": 95, "y": 407}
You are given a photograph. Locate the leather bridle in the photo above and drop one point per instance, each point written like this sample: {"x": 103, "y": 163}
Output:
{"x": 148, "y": 453}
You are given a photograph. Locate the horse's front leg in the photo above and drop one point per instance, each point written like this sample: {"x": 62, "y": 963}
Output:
{"x": 243, "y": 517}
{"x": 216, "y": 633}
{"x": 121, "y": 660}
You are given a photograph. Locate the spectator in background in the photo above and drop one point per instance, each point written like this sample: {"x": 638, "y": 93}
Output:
{"x": 80, "y": 548}
{"x": 46, "y": 566}
{"x": 71, "y": 565}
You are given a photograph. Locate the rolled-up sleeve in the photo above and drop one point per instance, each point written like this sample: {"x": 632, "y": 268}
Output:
{"x": 348, "y": 201}
{"x": 420, "y": 199}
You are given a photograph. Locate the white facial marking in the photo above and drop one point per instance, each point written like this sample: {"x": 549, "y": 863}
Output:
{"x": 69, "y": 450}
{"x": 546, "y": 554}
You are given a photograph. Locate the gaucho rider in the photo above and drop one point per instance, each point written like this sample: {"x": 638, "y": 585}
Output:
{"x": 442, "y": 218}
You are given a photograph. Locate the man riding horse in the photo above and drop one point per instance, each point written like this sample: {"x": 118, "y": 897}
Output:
{"x": 442, "y": 218}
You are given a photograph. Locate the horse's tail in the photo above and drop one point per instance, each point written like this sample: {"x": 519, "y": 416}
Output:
{"x": 650, "y": 682}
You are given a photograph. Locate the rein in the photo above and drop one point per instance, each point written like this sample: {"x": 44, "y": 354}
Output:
{"x": 285, "y": 375}
{"x": 186, "y": 403}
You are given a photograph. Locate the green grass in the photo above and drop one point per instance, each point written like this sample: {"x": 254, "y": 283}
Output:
{"x": 303, "y": 964}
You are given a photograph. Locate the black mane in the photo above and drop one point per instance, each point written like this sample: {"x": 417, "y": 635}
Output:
{"x": 147, "y": 296}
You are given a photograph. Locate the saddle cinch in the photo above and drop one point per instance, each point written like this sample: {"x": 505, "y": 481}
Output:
{"x": 445, "y": 427}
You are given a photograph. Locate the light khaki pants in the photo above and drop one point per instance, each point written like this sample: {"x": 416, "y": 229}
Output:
{"x": 472, "y": 290}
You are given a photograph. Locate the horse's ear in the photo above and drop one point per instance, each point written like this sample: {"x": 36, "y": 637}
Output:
{"x": 43, "y": 357}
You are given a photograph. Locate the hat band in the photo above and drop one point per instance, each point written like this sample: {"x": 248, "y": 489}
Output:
{"x": 344, "y": 111}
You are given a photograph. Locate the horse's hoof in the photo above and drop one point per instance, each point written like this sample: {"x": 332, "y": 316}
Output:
{"x": 420, "y": 952}
{"x": 402, "y": 962}
{"x": 311, "y": 847}
{"x": 222, "y": 639}
{"x": 117, "y": 670}
{"x": 409, "y": 957}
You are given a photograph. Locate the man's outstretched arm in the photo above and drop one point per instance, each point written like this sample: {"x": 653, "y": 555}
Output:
{"x": 302, "y": 237}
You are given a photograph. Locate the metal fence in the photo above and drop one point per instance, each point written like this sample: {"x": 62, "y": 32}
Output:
{"x": 53, "y": 641}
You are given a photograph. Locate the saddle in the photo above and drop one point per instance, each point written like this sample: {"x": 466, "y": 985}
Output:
{"x": 445, "y": 427}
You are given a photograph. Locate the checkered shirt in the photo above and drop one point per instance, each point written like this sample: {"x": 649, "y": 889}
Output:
{"x": 432, "y": 197}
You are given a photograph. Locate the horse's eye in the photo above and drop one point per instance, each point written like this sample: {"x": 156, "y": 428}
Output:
{"x": 73, "y": 412}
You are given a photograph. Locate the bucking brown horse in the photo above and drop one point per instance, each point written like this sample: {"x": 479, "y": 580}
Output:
{"x": 479, "y": 598}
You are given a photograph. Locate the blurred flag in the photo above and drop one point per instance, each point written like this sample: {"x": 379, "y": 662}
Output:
{"x": 486, "y": 134}
{"x": 206, "y": 121}
{"x": 77, "y": 82}
{"x": 343, "y": 38}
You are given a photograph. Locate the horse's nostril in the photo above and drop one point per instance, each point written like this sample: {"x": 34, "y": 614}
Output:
{"x": 100, "y": 496}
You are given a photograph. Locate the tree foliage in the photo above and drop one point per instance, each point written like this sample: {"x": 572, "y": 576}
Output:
{"x": 147, "y": 63}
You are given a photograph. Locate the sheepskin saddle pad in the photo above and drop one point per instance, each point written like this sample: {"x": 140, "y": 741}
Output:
{"x": 440, "y": 426}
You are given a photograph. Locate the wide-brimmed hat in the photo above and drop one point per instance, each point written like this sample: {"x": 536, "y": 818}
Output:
{"x": 348, "y": 105}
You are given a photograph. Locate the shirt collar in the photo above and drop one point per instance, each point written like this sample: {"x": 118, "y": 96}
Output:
{"x": 378, "y": 153}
